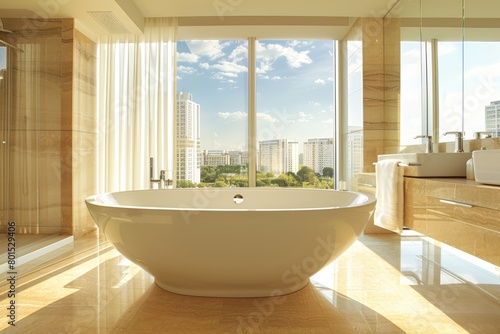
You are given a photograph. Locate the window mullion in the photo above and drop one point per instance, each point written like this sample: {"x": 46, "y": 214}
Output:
{"x": 252, "y": 117}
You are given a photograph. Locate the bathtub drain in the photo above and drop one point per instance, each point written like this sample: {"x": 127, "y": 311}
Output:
{"x": 238, "y": 199}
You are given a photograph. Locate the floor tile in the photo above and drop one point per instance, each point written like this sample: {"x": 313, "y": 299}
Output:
{"x": 382, "y": 284}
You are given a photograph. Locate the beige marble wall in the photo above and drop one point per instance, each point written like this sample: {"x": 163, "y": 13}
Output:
{"x": 46, "y": 141}
{"x": 378, "y": 122}
{"x": 374, "y": 123}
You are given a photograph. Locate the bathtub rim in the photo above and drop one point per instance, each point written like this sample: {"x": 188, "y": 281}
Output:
{"x": 370, "y": 200}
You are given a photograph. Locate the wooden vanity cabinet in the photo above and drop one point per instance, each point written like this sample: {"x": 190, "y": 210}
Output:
{"x": 458, "y": 212}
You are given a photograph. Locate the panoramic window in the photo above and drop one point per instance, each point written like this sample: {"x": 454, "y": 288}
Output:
{"x": 482, "y": 88}
{"x": 472, "y": 107}
{"x": 450, "y": 88}
{"x": 212, "y": 116}
{"x": 413, "y": 116}
{"x": 295, "y": 113}
{"x": 295, "y": 98}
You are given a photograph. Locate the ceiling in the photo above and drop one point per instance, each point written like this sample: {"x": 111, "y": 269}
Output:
{"x": 118, "y": 16}
{"x": 130, "y": 14}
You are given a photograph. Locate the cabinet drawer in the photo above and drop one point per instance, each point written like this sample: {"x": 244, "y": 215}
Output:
{"x": 470, "y": 214}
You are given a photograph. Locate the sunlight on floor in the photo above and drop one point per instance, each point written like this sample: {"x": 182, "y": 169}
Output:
{"x": 382, "y": 284}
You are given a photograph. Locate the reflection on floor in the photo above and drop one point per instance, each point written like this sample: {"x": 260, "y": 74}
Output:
{"x": 31, "y": 246}
{"x": 382, "y": 284}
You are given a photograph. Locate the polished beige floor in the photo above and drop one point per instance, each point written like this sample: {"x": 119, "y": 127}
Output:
{"x": 382, "y": 284}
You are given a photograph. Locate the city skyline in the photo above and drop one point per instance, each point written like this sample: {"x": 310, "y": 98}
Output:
{"x": 295, "y": 89}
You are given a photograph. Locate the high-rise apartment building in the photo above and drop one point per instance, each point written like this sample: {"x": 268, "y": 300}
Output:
{"x": 492, "y": 113}
{"x": 188, "y": 138}
{"x": 236, "y": 157}
{"x": 353, "y": 163}
{"x": 318, "y": 154}
{"x": 279, "y": 156}
{"x": 215, "y": 158}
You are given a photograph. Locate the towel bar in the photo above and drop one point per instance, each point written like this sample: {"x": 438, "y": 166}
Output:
{"x": 406, "y": 164}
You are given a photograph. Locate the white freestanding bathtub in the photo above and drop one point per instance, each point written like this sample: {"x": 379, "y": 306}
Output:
{"x": 232, "y": 242}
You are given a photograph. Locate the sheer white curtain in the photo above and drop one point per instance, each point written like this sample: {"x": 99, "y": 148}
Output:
{"x": 136, "y": 105}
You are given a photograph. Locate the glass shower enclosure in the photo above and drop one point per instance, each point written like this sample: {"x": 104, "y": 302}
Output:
{"x": 31, "y": 173}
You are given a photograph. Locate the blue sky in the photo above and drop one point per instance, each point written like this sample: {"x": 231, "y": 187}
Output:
{"x": 295, "y": 91}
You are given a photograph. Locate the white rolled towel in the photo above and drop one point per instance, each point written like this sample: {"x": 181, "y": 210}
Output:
{"x": 390, "y": 195}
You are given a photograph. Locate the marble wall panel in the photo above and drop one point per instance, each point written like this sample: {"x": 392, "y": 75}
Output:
{"x": 84, "y": 83}
{"x": 373, "y": 91}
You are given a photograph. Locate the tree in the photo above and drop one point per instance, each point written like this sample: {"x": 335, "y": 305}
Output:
{"x": 285, "y": 180}
{"x": 306, "y": 174}
{"x": 220, "y": 184}
{"x": 292, "y": 174}
{"x": 208, "y": 174}
{"x": 328, "y": 172}
{"x": 185, "y": 184}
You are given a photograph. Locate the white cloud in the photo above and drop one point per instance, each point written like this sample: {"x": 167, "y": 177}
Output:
{"x": 299, "y": 43}
{"x": 229, "y": 74}
{"x": 266, "y": 117}
{"x": 276, "y": 77}
{"x": 319, "y": 82}
{"x": 210, "y": 49}
{"x": 187, "y": 57}
{"x": 241, "y": 115}
{"x": 269, "y": 53}
{"x": 263, "y": 68}
{"x": 233, "y": 116}
{"x": 227, "y": 70}
{"x": 303, "y": 117}
{"x": 224, "y": 76}
{"x": 239, "y": 53}
{"x": 205, "y": 66}
{"x": 226, "y": 66}
{"x": 186, "y": 69}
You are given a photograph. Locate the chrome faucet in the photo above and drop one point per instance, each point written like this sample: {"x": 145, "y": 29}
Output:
{"x": 481, "y": 134}
{"x": 428, "y": 146}
{"x": 459, "y": 140}
{"x": 163, "y": 182}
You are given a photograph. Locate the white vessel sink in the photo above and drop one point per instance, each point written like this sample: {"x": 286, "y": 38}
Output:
{"x": 487, "y": 166}
{"x": 441, "y": 164}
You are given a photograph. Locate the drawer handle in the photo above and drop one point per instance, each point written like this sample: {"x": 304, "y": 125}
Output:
{"x": 455, "y": 203}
